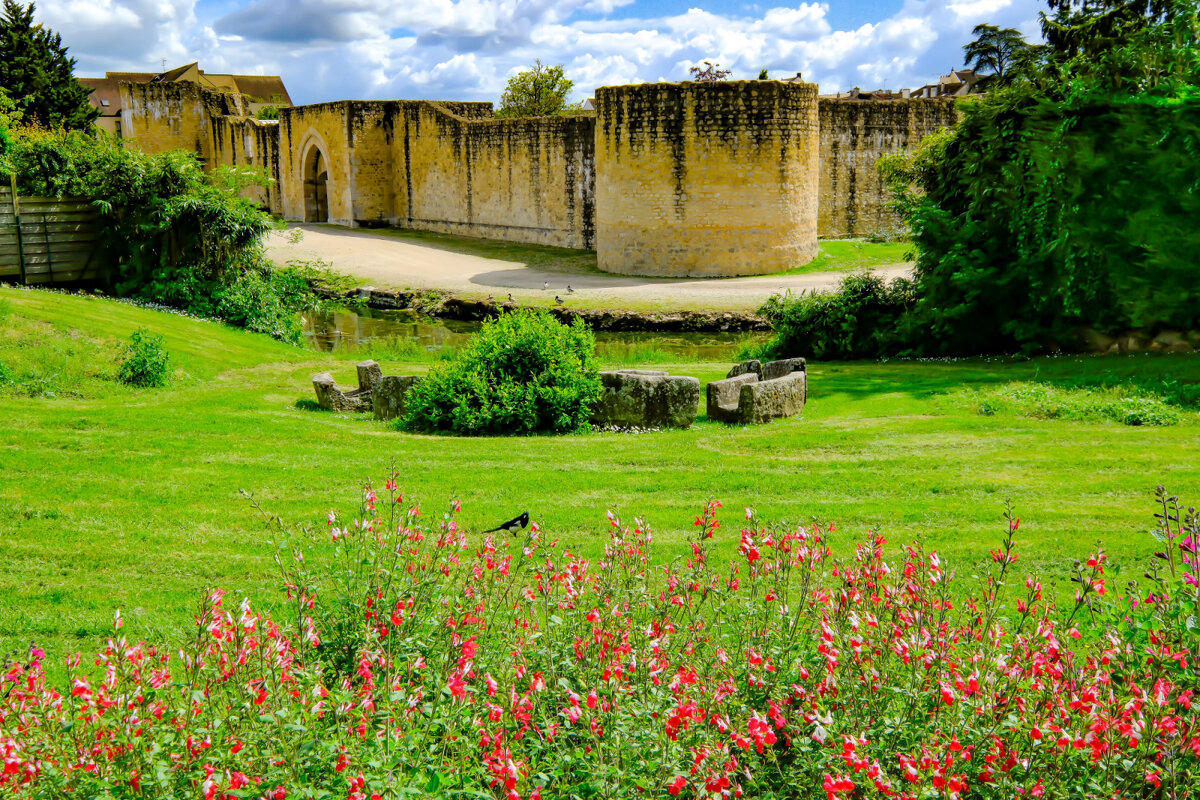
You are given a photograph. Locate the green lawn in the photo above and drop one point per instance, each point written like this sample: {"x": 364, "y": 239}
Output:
{"x": 848, "y": 255}
{"x": 113, "y": 497}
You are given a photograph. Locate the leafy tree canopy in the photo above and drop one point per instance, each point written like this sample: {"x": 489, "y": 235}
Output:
{"x": 539, "y": 91}
{"x": 994, "y": 49}
{"x": 1065, "y": 198}
{"x": 37, "y": 73}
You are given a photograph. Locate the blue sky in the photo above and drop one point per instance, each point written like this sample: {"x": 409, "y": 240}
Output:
{"x": 466, "y": 49}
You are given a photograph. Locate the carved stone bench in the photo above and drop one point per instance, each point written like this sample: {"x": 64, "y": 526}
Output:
{"x": 756, "y": 393}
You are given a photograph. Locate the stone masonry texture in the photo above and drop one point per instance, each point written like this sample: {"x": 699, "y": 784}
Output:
{"x": 677, "y": 179}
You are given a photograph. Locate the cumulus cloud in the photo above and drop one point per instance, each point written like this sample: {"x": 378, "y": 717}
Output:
{"x": 466, "y": 49}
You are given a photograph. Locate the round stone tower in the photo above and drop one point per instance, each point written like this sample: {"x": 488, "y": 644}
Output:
{"x": 706, "y": 179}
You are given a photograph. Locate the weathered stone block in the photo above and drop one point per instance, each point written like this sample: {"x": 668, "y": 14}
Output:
{"x": 1171, "y": 342}
{"x": 754, "y": 365}
{"x": 388, "y": 399}
{"x": 331, "y": 398}
{"x": 767, "y": 400}
{"x": 722, "y": 396}
{"x": 369, "y": 375}
{"x": 646, "y": 399}
{"x": 777, "y": 369}
{"x": 745, "y": 400}
{"x": 1133, "y": 342}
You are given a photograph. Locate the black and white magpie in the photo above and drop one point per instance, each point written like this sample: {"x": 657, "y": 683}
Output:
{"x": 513, "y": 525}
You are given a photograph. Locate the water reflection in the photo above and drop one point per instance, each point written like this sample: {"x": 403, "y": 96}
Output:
{"x": 408, "y": 331}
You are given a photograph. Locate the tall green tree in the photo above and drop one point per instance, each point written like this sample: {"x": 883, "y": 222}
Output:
{"x": 994, "y": 49}
{"x": 539, "y": 91}
{"x": 37, "y": 73}
{"x": 1066, "y": 200}
{"x": 1089, "y": 27}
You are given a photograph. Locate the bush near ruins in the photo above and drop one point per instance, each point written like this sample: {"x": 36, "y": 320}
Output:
{"x": 418, "y": 659}
{"x": 522, "y": 373}
{"x": 1066, "y": 198}
{"x": 856, "y": 321}
{"x": 177, "y": 235}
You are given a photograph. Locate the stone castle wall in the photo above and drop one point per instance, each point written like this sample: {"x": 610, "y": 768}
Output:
{"x": 214, "y": 125}
{"x": 854, "y": 134}
{"x": 446, "y": 167}
{"x": 732, "y": 178}
{"x": 706, "y": 179}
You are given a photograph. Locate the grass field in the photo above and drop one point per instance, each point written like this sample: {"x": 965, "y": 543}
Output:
{"x": 112, "y": 497}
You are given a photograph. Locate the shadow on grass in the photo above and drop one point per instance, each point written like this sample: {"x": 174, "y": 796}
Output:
{"x": 309, "y": 405}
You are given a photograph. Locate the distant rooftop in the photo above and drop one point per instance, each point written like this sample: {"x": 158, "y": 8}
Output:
{"x": 263, "y": 90}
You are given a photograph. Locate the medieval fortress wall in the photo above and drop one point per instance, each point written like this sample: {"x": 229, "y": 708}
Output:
{"x": 852, "y": 200}
{"x": 731, "y": 178}
{"x": 706, "y": 180}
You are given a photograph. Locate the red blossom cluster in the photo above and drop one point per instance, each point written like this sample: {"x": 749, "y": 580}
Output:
{"x": 423, "y": 659}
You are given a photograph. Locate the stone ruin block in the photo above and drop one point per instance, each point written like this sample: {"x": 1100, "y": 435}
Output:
{"x": 768, "y": 371}
{"x": 773, "y": 399}
{"x": 635, "y": 398}
{"x": 331, "y": 398}
{"x": 777, "y": 369}
{"x": 389, "y": 396}
{"x": 722, "y": 397}
{"x": 369, "y": 375}
{"x": 753, "y": 366}
{"x": 745, "y": 399}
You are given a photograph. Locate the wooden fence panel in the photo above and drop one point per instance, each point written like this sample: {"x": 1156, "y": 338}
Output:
{"x": 56, "y": 241}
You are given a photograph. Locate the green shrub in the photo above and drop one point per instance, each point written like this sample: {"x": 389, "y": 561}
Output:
{"x": 146, "y": 360}
{"x": 522, "y": 373}
{"x": 265, "y": 300}
{"x": 856, "y": 321}
{"x": 1067, "y": 198}
{"x": 176, "y": 234}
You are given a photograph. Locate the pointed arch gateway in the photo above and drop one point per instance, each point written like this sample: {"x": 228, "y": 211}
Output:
{"x": 316, "y": 184}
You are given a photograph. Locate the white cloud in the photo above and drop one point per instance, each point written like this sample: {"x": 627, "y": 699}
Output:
{"x": 465, "y": 49}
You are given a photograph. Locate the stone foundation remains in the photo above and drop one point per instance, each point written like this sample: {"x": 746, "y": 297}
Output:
{"x": 331, "y": 398}
{"x": 755, "y": 393}
{"x": 637, "y": 398}
{"x": 389, "y": 400}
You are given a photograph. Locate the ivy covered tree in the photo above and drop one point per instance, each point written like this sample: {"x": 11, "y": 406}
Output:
{"x": 539, "y": 91}
{"x": 37, "y": 73}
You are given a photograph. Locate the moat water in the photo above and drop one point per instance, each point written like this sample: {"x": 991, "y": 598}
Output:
{"x": 406, "y": 333}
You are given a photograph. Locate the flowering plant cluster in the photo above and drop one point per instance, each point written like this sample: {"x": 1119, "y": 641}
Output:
{"x": 421, "y": 660}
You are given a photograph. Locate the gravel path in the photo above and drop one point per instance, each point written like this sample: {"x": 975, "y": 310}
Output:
{"x": 388, "y": 261}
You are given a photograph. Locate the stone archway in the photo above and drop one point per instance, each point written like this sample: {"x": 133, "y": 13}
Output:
{"x": 316, "y": 185}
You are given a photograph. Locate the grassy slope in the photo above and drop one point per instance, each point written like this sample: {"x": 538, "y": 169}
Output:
{"x": 130, "y": 498}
